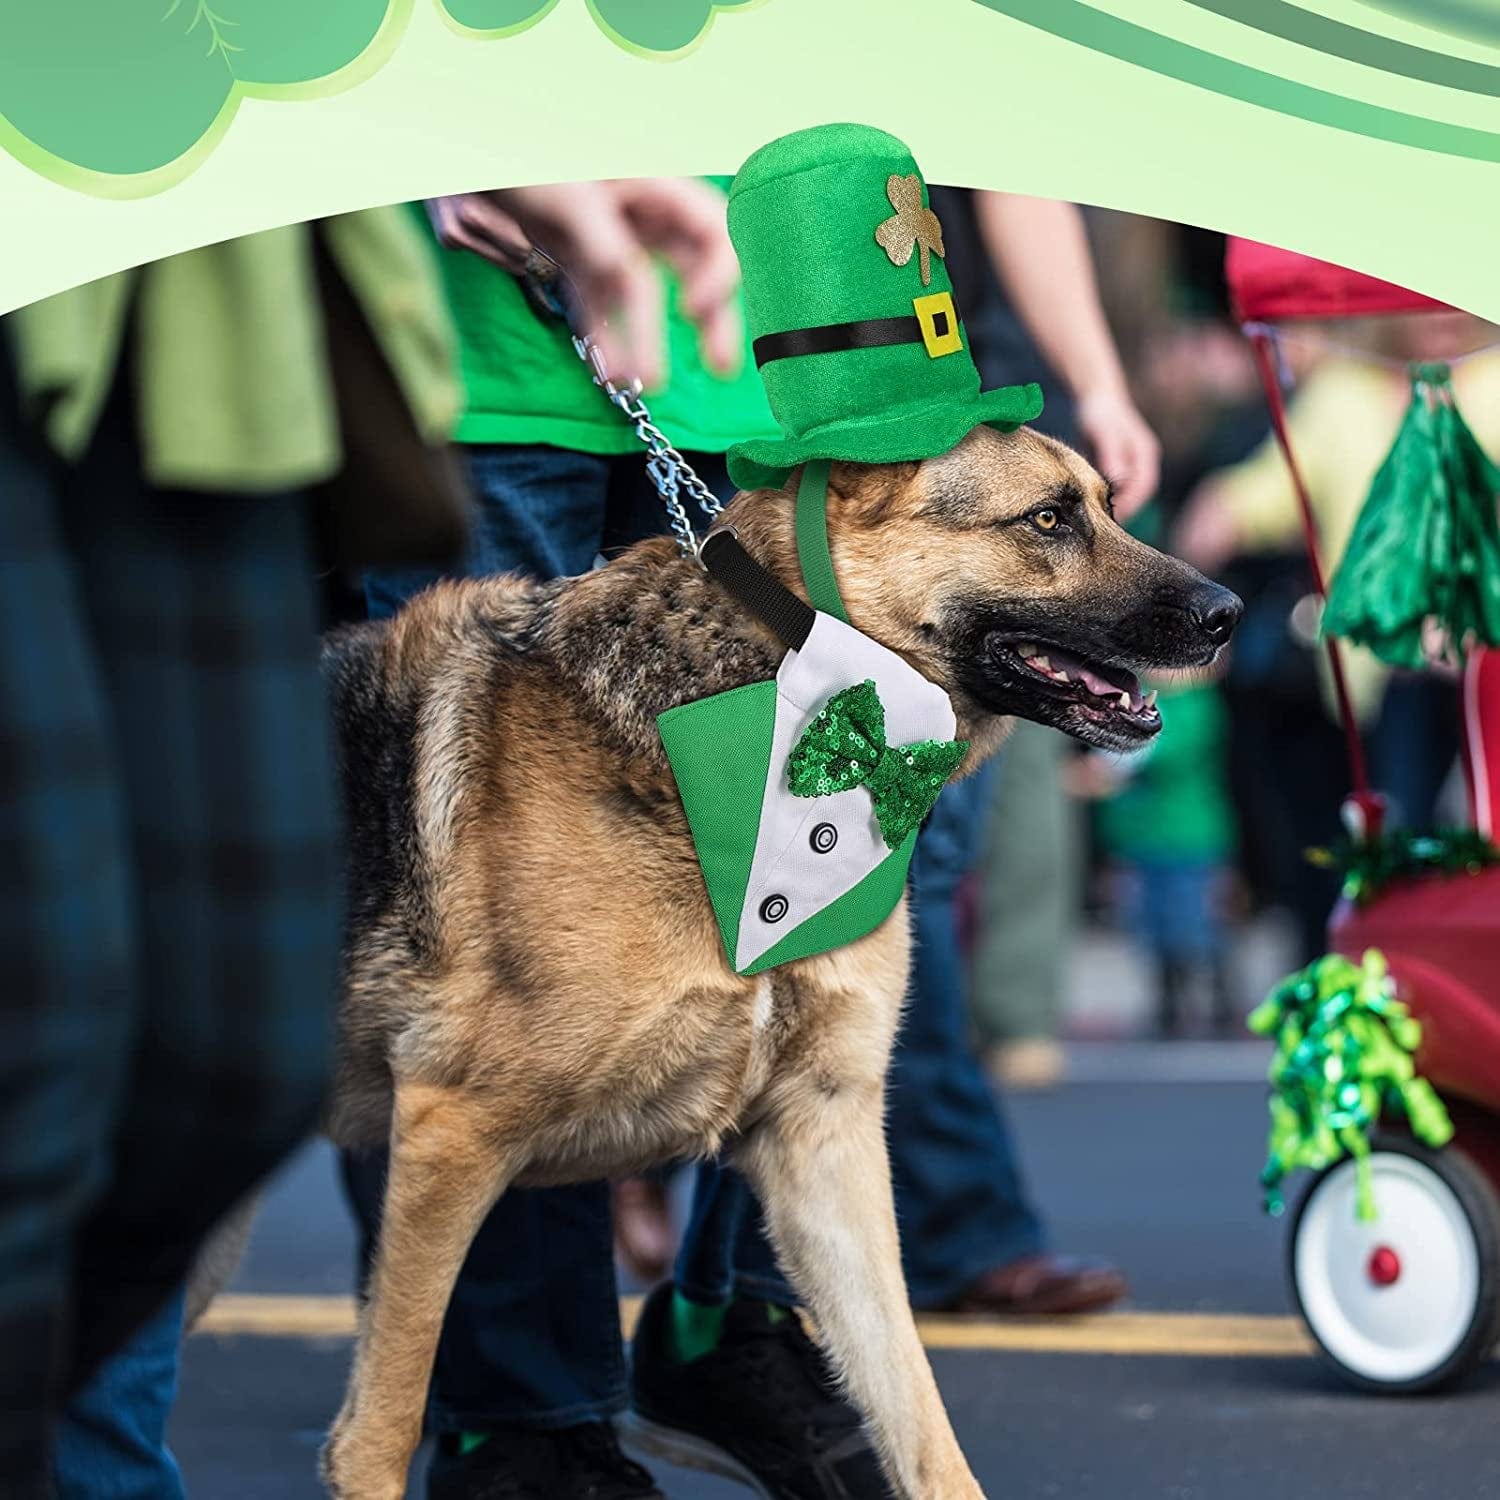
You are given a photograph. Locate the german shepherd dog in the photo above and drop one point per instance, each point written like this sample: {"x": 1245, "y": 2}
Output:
{"x": 536, "y": 991}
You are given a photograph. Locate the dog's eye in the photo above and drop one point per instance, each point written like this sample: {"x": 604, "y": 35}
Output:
{"x": 1046, "y": 520}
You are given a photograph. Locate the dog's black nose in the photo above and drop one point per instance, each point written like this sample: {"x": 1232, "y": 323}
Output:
{"x": 1216, "y": 612}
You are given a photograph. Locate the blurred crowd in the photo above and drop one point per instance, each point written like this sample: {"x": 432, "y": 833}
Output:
{"x": 208, "y": 460}
{"x": 1182, "y": 871}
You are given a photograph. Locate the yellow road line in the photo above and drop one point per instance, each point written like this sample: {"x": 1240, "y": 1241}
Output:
{"x": 1202, "y": 1335}
{"x": 279, "y": 1317}
{"x": 1199, "y": 1335}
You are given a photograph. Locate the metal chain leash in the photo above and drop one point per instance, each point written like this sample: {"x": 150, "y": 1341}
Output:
{"x": 669, "y": 471}
{"x": 551, "y": 293}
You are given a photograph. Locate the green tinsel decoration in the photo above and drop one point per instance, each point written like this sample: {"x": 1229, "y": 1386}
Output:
{"x": 1344, "y": 1050}
{"x": 1426, "y": 545}
{"x": 1369, "y": 864}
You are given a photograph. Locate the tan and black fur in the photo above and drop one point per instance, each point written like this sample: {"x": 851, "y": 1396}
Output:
{"x": 536, "y": 991}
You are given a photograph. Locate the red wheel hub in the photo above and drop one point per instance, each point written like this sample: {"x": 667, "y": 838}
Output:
{"x": 1384, "y": 1268}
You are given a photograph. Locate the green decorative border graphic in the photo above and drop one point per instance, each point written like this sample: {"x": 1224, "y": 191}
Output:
{"x": 491, "y": 20}
{"x": 1101, "y": 31}
{"x": 184, "y": 66}
{"x": 666, "y": 30}
{"x": 660, "y": 30}
{"x": 1336, "y": 38}
{"x": 186, "y": 93}
{"x": 1365, "y": 131}
{"x": 1472, "y": 20}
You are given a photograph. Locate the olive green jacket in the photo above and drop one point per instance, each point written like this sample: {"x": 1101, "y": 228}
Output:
{"x": 232, "y": 377}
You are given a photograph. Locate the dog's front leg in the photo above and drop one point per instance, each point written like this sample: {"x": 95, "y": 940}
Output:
{"x": 446, "y": 1173}
{"x": 818, "y": 1162}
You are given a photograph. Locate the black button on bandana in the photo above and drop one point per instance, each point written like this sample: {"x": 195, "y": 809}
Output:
{"x": 773, "y": 908}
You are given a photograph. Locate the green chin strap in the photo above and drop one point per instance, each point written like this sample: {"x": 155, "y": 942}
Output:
{"x": 812, "y": 540}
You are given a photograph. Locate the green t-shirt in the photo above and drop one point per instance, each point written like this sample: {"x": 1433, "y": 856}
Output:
{"x": 1177, "y": 805}
{"x": 523, "y": 382}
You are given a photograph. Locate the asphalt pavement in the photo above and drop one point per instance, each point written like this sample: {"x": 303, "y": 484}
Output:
{"x": 1204, "y": 1388}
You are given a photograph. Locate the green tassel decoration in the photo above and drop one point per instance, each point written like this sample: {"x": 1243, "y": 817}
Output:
{"x": 1370, "y": 863}
{"x": 1344, "y": 1057}
{"x": 1426, "y": 545}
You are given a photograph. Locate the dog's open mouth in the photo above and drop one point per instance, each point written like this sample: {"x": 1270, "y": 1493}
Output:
{"x": 1101, "y": 704}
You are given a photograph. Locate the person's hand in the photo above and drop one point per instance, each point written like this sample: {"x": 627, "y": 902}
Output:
{"x": 603, "y": 235}
{"x": 1092, "y": 778}
{"x": 583, "y": 228}
{"x": 1444, "y": 658}
{"x": 1207, "y": 534}
{"x": 1123, "y": 448}
{"x": 684, "y": 220}
{"x": 475, "y": 221}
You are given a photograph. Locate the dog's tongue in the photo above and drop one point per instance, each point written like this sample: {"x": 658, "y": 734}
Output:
{"x": 1101, "y": 686}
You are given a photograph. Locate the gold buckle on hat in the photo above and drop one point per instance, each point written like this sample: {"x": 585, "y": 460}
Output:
{"x": 939, "y": 322}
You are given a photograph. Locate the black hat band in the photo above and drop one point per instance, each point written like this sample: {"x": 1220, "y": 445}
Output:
{"x": 935, "y": 324}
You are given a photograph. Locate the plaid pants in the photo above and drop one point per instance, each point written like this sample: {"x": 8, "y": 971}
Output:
{"x": 169, "y": 893}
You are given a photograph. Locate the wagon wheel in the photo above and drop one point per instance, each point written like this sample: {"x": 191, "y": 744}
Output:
{"x": 1410, "y": 1302}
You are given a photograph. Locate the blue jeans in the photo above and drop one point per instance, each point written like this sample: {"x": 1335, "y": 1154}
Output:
{"x": 532, "y": 1332}
{"x": 960, "y": 1201}
{"x": 960, "y": 1198}
{"x": 1413, "y": 744}
{"x": 1172, "y": 907}
{"x": 547, "y": 512}
{"x": 170, "y": 864}
{"x": 111, "y": 1443}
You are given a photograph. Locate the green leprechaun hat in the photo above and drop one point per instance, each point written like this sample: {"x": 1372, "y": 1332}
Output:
{"x": 858, "y": 341}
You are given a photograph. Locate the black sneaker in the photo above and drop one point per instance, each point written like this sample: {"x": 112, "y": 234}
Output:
{"x": 761, "y": 1408}
{"x": 540, "y": 1463}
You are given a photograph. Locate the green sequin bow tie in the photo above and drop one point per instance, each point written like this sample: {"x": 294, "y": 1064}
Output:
{"x": 845, "y": 747}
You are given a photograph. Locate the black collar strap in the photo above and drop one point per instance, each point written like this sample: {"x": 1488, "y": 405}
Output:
{"x": 766, "y": 597}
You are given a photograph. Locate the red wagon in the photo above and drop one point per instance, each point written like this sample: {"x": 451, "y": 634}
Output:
{"x": 1411, "y": 1300}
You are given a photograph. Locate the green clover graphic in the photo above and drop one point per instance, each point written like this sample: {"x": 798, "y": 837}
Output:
{"x": 651, "y": 28}
{"x": 125, "y": 97}
{"x": 492, "y": 18}
{"x": 666, "y": 27}
{"x": 139, "y": 90}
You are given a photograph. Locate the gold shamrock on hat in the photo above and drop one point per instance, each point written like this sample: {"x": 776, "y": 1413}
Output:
{"x": 911, "y": 227}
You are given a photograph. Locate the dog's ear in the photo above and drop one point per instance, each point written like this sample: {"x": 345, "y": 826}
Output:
{"x": 870, "y": 495}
